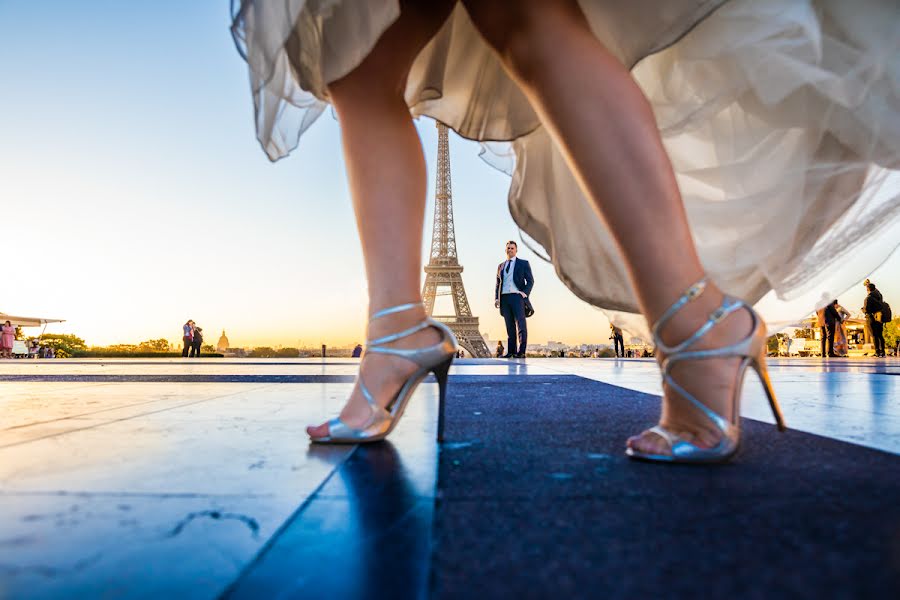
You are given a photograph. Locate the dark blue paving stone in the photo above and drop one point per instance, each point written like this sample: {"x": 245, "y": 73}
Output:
{"x": 366, "y": 533}
{"x": 536, "y": 499}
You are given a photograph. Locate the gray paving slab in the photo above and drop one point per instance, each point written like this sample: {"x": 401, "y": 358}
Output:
{"x": 143, "y": 490}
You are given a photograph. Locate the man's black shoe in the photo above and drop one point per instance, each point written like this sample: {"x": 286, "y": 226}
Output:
{"x": 520, "y": 356}
{"x": 509, "y": 356}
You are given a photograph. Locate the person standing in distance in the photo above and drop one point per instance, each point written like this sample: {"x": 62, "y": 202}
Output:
{"x": 618, "y": 340}
{"x": 196, "y": 342}
{"x": 872, "y": 309}
{"x": 514, "y": 283}
{"x": 187, "y": 336}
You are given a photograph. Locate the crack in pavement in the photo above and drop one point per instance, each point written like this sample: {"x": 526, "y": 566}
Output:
{"x": 217, "y": 515}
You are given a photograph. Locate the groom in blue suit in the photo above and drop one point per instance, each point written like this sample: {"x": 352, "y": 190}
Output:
{"x": 514, "y": 283}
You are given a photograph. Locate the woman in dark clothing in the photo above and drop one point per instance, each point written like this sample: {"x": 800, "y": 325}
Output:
{"x": 832, "y": 322}
{"x": 196, "y": 342}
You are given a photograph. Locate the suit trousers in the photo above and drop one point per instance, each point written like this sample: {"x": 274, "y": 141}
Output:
{"x": 829, "y": 339}
{"x": 187, "y": 346}
{"x": 512, "y": 307}
{"x": 619, "y": 344}
{"x": 877, "y": 329}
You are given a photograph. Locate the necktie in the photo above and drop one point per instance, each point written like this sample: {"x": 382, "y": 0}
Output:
{"x": 509, "y": 262}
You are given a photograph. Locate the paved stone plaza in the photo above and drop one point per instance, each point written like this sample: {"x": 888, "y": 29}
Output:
{"x": 194, "y": 478}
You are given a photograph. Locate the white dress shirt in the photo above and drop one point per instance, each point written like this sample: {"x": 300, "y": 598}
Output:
{"x": 509, "y": 287}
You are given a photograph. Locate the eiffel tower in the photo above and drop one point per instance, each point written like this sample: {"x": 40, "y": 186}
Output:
{"x": 443, "y": 269}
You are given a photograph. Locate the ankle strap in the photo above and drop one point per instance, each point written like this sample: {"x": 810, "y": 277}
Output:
{"x": 402, "y": 334}
{"x": 728, "y": 306}
{"x": 692, "y": 293}
{"x": 395, "y": 309}
{"x": 393, "y": 337}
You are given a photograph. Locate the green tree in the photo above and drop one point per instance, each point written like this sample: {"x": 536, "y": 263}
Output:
{"x": 891, "y": 333}
{"x": 805, "y": 334}
{"x": 118, "y": 348}
{"x": 208, "y": 348}
{"x": 262, "y": 352}
{"x": 287, "y": 353}
{"x": 160, "y": 345}
{"x": 773, "y": 344}
{"x": 67, "y": 342}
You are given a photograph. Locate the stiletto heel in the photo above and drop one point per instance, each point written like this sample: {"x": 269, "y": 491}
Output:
{"x": 436, "y": 358}
{"x": 440, "y": 373}
{"x": 763, "y": 374}
{"x": 751, "y": 349}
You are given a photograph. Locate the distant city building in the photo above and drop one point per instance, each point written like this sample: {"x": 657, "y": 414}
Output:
{"x": 223, "y": 344}
{"x": 552, "y": 348}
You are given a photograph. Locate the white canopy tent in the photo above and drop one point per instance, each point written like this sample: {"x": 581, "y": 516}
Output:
{"x": 28, "y": 321}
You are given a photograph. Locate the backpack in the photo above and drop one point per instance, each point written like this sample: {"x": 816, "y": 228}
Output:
{"x": 886, "y": 315}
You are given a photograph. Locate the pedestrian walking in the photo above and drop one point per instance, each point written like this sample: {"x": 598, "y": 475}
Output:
{"x": 618, "y": 340}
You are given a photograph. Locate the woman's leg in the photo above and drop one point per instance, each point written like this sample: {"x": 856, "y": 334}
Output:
{"x": 386, "y": 169}
{"x": 604, "y": 126}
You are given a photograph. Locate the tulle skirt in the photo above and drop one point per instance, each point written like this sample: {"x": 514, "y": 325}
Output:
{"x": 781, "y": 118}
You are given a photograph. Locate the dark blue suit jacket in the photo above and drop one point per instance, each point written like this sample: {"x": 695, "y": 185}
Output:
{"x": 522, "y": 277}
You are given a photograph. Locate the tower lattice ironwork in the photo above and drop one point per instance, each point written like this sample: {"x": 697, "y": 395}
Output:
{"x": 443, "y": 273}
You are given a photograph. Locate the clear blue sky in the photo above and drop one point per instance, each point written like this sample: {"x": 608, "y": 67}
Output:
{"x": 135, "y": 195}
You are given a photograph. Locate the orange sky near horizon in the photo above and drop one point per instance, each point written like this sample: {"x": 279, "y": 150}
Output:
{"x": 135, "y": 195}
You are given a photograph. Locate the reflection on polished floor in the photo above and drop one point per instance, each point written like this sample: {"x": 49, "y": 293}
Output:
{"x": 147, "y": 478}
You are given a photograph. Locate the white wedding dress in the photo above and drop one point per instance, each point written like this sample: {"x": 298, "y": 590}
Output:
{"x": 781, "y": 118}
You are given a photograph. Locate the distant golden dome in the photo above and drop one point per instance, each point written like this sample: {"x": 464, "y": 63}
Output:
{"x": 223, "y": 343}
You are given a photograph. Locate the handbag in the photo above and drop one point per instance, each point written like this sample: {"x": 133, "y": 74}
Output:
{"x": 529, "y": 310}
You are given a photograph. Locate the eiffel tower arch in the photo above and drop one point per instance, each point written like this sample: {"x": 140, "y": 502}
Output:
{"x": 443, "y": 273}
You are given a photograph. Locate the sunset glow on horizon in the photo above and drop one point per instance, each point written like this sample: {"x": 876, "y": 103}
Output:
{"x": 135, "y": 195}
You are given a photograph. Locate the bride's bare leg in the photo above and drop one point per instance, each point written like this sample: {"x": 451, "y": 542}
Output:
{"x": 386, "y": 169}
{"x": 604, "y": 125}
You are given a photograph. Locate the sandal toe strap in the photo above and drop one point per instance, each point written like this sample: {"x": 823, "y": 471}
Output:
{"x": 339, "y": 429}
{"x": 670, "y": 436}
{"x": 680, "y": 448}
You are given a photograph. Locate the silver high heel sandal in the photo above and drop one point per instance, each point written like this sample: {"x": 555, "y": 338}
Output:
{"x": 436, "y": 358}
{"x": 751, "y": 349}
